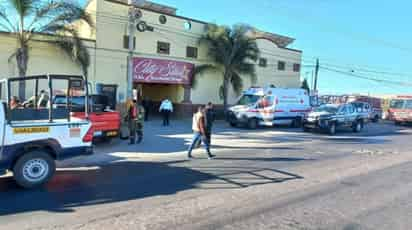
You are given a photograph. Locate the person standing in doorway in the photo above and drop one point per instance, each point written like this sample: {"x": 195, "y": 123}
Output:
{"x": 147, "y": 104}
{"x": 166, "y": 108}
{"x": 199, "y": 132}
{"x": 210, "y": 117}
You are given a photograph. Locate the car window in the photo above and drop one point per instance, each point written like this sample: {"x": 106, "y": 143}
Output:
{"x": 342, "y": 109}
{"x": 408, "y": 104}
{"x": 397, "y": 104}
{"x": 248, "y": 99}
{"x": 350, "y": 109}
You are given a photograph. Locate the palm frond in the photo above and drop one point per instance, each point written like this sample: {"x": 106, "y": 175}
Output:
{"x": 198, "y": 70}
{"x": 70, "y": 42}
{"x": 5, "y": 22}
{"x": 24, "y": 7}
{"x": 62, "y": 14}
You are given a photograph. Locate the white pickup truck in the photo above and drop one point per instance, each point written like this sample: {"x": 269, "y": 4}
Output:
{"x": 34, "y": 136}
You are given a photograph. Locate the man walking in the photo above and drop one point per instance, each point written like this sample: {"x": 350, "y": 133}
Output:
{"x": 210, "y": 117}
{"x": 199, "y": 132}
{"x": 166, "y": 108}
{"x": 147, "y": 104}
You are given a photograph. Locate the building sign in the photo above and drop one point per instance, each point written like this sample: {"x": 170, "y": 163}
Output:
{"x": 148, "y": 70}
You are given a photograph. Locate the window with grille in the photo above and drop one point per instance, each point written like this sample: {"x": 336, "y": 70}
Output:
{"x": 263, "y": 62}
{"x": 191, "y": 52}
{"x": 296, "y": 67}
{"x": 163, "y": 48}
{"x": 281, "y": 65}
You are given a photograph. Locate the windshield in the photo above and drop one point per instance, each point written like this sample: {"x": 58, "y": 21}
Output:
{"x": 248, "y": 99}
{"x": 408, "y": 104}
{"x": 397, "y": 104}
{"x": 329, "y": 109}
{"x": 75, "y": 101}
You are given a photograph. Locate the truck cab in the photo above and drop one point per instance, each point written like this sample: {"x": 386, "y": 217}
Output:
{"x": 34, "y": 133}
{"x": 270, "y": 106}
{"x": 105, "y": 121}
{"x": 400, "y": 110}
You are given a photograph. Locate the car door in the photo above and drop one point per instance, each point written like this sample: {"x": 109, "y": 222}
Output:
{"x": 3, "y": 109}
{"x": 266, "y": 110}
{"x": 351, "y": 115}
{"x": 340, "y": 117}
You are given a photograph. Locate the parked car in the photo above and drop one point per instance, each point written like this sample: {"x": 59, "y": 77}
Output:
{"x": 270, "y": 106}
{"x": 329, "y": 118}
{"x": 400, "y": 110}
{"x": 372, "y": 104}
{"x": 105, "y": 122}
{"x": 366, "y": 111}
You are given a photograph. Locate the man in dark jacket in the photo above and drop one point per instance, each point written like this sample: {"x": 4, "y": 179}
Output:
{"x": 147, "y": 104}
{"x": 210, "y": 117}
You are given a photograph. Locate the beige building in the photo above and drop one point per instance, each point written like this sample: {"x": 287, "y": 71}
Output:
{"x": 171, "y": 50}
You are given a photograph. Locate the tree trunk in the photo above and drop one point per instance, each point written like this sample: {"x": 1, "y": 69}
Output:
{"x": 225, "y": 91}
{"x": 22, "y": 58}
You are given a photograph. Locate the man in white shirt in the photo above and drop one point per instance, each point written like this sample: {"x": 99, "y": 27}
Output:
{"x": 166, "y": 108}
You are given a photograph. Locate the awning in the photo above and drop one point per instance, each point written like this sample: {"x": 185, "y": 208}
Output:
{"x": 149, "y": 70}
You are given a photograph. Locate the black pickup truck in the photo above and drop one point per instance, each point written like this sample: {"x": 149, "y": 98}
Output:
{"x": 331, "y": 117}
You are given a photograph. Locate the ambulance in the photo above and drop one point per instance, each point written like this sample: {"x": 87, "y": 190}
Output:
{"x": 270, "y": 106}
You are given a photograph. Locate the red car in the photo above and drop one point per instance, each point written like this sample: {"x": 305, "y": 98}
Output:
{"x": 105, "y": 122}
{"x": 401, "y": 110}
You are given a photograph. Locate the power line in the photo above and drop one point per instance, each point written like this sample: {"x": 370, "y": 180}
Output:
{"x": 397, "y": 83}
{"x": 366, "y": 38}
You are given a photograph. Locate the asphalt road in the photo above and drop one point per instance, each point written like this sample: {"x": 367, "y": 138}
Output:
{"x": 302, "y": 181}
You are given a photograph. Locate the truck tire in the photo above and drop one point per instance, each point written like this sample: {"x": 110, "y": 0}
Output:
{"x": 357, "y": 127}
{"x": 34, "y": 169}
{"x": 232, "y": 124}
{"x": 297, "y": 122}
{"x": 375, "y": 119}
{"x": 252, "y": 123}
{"x": 332, "y": 129}
{"x": 306, "y": 129}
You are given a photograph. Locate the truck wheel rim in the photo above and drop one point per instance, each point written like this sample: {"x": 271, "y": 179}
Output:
{"x": 332, "y": 129}
{"x": 35, "y": 170}
{"x": 358, "y": 127}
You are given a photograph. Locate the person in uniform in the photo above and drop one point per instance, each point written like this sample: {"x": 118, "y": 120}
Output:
{"x": 135, "y": 119}
{"x": 141, "y": 112}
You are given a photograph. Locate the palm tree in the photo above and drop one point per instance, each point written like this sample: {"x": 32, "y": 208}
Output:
{"x": 25, "y": 19}
{"x": 233, "y": 53}
{"x": 305, "y": 85}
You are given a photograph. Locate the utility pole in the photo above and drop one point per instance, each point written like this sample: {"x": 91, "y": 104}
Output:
{"x": 316, "y": 75}
{"x": 134, "y": 17}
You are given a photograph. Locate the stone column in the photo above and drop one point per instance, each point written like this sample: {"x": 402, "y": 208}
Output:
{"x": 187, "y": 107}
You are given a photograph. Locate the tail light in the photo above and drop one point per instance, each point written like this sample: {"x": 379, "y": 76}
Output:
{"x": 89, "y": 135}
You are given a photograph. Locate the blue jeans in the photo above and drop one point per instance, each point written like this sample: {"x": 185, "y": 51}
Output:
{"x": 196, "y": 137}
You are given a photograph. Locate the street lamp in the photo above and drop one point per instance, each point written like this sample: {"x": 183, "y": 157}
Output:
{"x": 134, "y": 17}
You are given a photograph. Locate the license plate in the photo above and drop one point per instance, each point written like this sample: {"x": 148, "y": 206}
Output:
{"x": 111, "y": 134}
{"x": 97, "y": 133}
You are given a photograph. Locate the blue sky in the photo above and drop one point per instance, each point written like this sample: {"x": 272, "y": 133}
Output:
{"x": 372, "y": 38}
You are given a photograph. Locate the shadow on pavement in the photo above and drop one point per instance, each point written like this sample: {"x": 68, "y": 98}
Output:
{"x": 262, "y": 159}
{"x": 123, "y": 181}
